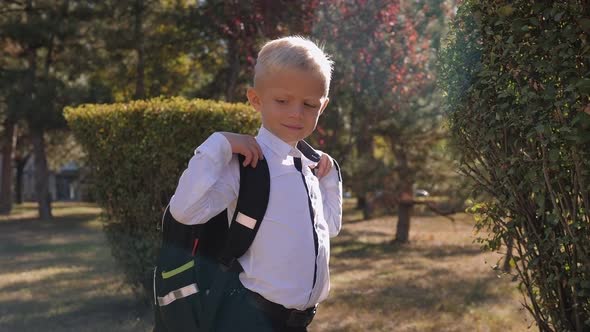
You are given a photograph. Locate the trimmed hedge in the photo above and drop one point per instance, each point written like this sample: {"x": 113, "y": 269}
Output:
{"x": 136, "y": 153}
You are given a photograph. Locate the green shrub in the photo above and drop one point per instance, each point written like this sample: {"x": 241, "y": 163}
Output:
{"x": 136, "y": 153}
{"x": 517, "y": 81}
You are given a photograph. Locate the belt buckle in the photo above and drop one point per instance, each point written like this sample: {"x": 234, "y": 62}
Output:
{"x": 298, "y": 318}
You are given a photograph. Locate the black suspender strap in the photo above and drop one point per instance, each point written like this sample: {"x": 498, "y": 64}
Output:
{"x": 312, "y": 213}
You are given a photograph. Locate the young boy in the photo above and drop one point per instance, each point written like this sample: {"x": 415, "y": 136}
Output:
{"x": 286, "y": 268}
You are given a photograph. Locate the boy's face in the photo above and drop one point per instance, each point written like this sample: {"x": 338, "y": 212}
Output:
{"x": 290, "y": 102}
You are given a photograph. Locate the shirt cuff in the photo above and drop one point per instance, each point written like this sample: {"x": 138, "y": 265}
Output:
{"x": 217, "y": 148}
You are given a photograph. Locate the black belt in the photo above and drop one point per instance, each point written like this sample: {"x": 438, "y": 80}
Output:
{"x": 280, "y": 314}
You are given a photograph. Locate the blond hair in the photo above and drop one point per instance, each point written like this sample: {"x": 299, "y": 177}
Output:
{"x": 294, "y": 52}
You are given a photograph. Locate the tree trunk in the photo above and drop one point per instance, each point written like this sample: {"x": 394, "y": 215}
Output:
{"x": 506, "y": 266}
{"x": 363, "y": 182}
{"x": 7, "y": 158}
{"x": 360, "y": 202}
{"x": 233, "y": 71}
{"x": 20, "y": 168}
{"x": 368, "y": 206}
{"x": 140, "y": 50}
{"x": 41, "y": 174}
{"x": 402, "y": 234}
{"x": 406, "y": 196}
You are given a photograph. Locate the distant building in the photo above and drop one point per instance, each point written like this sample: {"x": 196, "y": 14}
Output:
{"x": 64, "y": 184}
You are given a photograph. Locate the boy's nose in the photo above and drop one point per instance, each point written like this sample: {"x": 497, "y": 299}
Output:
{"x": 296, "y": 111}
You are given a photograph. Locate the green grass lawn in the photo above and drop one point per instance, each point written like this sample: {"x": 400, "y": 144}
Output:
{"x": 59, "y": 276}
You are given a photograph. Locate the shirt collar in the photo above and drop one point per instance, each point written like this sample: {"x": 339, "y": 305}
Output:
{"x": 277, "y": 145}
{"x": 280, "y": 147}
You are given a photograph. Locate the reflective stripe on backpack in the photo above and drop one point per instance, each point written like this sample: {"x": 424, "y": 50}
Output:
{"x": 177, "y": 294}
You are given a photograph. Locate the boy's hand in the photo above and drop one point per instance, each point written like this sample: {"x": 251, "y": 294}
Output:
{"x": 245, "y": 145}
{"x": 324, "y": 166}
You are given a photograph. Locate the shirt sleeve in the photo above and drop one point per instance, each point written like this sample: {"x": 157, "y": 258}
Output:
{"x": 208, "y": 185}
{"x": 331, "y": 188}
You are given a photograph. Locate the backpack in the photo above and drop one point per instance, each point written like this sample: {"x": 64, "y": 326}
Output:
{"x": 197, "y": 262}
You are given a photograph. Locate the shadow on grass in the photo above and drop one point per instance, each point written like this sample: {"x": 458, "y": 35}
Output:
{"x": 449, "y": 294}
{"x": 353, "y": 248}
{"x": 59, "y": 275}
{"x": 52, "y": 248}
{"x": 103, "y": 313}
{"x": 57, "y": 221}
{"x": 70, "y": 283}
{"x": 350, "y": 245}
{"x": 71, "y": 254}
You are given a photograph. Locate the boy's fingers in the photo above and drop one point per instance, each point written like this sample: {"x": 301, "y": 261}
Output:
{"x": 323, "y": 170}
{"x": 320, "y": 167}
{"x": 327, "y": 169}
{"x": 248, "y": 155}
{"x": 325, "y": 166}
{"x": 256, "y": 150}
{"x": 255, "y": 158}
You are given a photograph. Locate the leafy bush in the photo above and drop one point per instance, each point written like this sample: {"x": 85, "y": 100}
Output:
{"x": 136, "y": 153}
{"x": 517, "y": 80}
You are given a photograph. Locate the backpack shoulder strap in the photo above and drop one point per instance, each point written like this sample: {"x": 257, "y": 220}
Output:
{"x": 250, "y": 210}
{"x": 308, "y": 151}
{"x": 251, "y": 207}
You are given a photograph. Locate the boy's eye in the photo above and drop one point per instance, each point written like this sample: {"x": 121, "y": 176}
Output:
{"x": 280, "y": 101}
{"x": 310, "y": 105}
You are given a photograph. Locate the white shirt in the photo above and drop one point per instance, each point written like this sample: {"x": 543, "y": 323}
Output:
{"x": 282, "y": 260}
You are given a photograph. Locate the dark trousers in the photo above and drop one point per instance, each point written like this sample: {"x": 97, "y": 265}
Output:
{"x": 239, "y": 314}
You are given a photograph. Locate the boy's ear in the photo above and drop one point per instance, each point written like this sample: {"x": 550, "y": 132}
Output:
{"x": 324, "y": 105}
{"x": 253, "y": 98}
